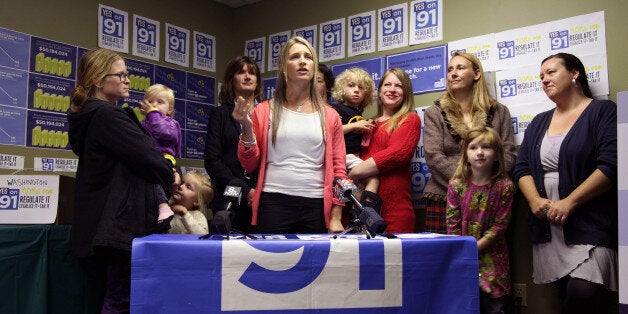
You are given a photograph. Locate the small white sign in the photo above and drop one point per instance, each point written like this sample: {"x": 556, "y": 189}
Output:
{"x": 28, "y": 199}
{"x": 55, "y": 164}
{"x": 11, "y": 162}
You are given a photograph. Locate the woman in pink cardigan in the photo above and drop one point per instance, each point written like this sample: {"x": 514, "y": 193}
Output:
{"x": 297, "y": 144}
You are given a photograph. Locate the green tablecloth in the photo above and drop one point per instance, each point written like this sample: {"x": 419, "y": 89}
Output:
{"x": 38, "y": 273}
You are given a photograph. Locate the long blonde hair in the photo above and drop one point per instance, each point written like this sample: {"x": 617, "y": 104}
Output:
{"x": 280, "y": 100}
{"x": 481, "y": 102}
{"x": 407, "y": 104}
{"x": 205, "y": 192}
{"x": 490, "y": 137}
{"x": 93, "y": 67}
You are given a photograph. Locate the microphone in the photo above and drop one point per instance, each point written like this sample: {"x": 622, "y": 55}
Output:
{"x": 345, "y": 190}
{"x": 233, "y": 194}
{"x": 221, "y": 224}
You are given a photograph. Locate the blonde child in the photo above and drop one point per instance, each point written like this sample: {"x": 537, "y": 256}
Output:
{"x": 479, "y": 200}
{"x": 189, "y": 203}
{"x": 353, "y": 91}
{"x": 158, "y": 106}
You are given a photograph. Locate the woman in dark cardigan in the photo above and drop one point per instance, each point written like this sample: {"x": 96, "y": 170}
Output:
{"x": 242, "y": 79}
{"x": 567, "y": 170}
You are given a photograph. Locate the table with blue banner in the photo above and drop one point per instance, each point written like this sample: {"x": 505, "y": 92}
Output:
{"x": 414, "y": 273}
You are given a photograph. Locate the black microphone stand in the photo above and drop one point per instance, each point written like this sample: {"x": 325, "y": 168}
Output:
{"x": 355, "y": 223}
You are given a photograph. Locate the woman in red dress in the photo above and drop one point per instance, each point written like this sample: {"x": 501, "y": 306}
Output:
{"x": 389, "y": 153}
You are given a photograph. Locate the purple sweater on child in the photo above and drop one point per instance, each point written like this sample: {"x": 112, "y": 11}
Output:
{"x": 165, "y": 131}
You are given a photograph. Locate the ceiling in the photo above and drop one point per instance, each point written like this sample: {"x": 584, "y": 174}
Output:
{"x": 236, "y": 3}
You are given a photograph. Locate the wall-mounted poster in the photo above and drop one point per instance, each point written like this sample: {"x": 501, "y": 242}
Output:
{"x": 255, "y": 49}
{"x": 113, "y": 29}
{"x": 146, "y": 35}
{"x": 332, "y": 41}
{"x": 426, "y": 21}
{"x": 392, "y": 27}
{"x": 204, "y": 52}
{"x": 177, "y": 45}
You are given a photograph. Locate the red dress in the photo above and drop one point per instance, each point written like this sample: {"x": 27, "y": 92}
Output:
{"x": 392, "y": 154}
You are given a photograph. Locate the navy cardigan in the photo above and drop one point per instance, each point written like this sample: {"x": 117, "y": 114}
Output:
{"x": 590, "y": 144}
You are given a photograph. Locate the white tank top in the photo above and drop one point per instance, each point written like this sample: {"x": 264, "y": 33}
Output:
{"x": 295, "y": 164}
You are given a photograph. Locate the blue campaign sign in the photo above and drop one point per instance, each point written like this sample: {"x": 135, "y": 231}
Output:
{"x": 113, "y": 23}
{"x": 374, "y": 66}
{"x": 52, "y": 58}
{"x": 426, "y": 14}
{"x": 508, "y": 88}
{"x": 13, "y": 84}
{"x": 175, "y": 79}
{"x": 180, "y": 112}
{"x": 14, "y": 49}
{"x": 47, "y": 130}
{"x": 559, "y": 39}
{"x": 12, "y": 125}
{"x": 197, "y": 115}
{"x": 506, "y": 49}
{"x": 308, "y": 33}
{"x": 194, "y": 144}
{"x": 49, "y": 93}
{"x": 9, "y": 198}
{"x": 200, "y": 88}
{"x": 141, "y": 74}
{"x": 255, "y": 50}
{"x": 177, "y": 40}
{"x": 147, "y": 34}
{"x": 275, "y": 43}
{"x": 269, "y": 85}
{"x": 427, "y": 68}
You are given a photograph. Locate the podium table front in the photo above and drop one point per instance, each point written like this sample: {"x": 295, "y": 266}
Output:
{"x": 414, "y": 273}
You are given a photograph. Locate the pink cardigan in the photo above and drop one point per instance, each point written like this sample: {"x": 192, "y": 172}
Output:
{"x": 254, "y": 157}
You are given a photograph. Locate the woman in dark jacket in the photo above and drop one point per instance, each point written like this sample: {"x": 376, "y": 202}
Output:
{"x": 567, "y": 170}
{"x": 117, "y": 172}
{"x": 242, "y": 79}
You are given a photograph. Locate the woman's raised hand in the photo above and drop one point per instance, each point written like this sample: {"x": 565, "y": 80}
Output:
{"x": 241, "y": 111}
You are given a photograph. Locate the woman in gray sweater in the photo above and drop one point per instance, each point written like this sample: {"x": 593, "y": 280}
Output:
{"x": 465, "y": 104}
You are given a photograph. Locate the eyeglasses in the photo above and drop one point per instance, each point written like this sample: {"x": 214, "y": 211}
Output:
{"x": 122, "y": 76}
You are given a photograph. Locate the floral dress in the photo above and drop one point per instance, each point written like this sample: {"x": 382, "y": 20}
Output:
{"x": 484, "y": 211}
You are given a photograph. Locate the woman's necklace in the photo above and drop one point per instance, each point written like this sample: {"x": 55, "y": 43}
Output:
{"x": 299, "y": 107}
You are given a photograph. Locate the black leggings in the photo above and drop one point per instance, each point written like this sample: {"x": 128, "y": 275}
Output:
{"x": 285, "y": 214}
{"x": 582, "y": 296}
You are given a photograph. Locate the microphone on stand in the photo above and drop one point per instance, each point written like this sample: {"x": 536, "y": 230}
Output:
{"x": 221, "y": 224}
{"x": 345, "y": 190}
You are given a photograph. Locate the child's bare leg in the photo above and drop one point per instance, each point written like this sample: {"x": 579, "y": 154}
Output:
{"x": 164, "y": 211}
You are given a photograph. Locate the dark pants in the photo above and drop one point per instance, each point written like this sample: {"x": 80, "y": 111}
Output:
{"x": 285, "y": 214}
{"x": 489, "y": 305}
{"x": 108, "y": 273}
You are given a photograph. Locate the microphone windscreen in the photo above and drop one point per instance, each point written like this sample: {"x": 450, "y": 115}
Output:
{"x": 221, "y": 224}
{"x": 373, "y": 221}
